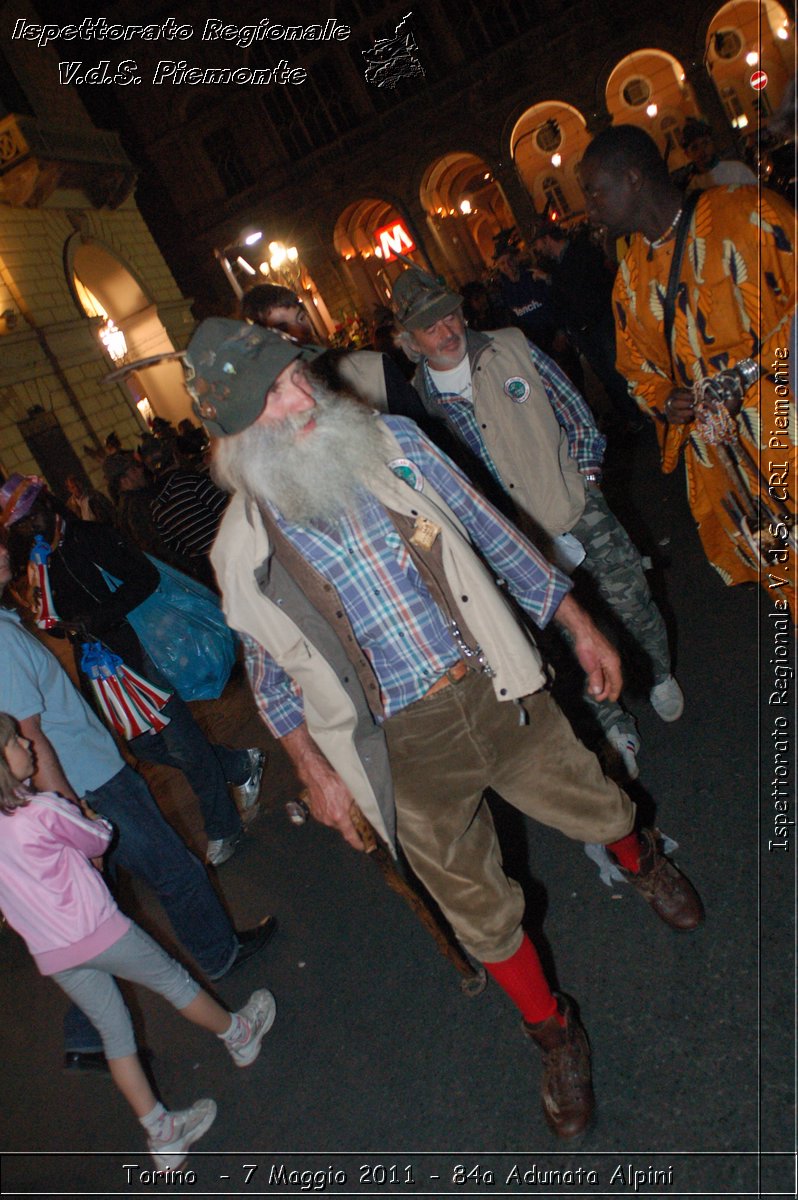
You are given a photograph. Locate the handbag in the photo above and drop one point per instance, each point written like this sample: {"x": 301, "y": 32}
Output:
{"x": 183, "y": 631}
{"x": 129, "y": 703}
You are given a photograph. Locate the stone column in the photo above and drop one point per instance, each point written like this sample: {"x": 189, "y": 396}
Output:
{"x": 518, "y": 198}
{"x": 711, "y": 105}
{"x": 596, "y": 121}
{"x": 416, "y": 217}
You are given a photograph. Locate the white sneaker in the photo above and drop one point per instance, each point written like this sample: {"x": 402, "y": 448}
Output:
{"x": 627, "y": 745}
{"x": 259, "y": 1013}
{"x": 187, "y": 1127}
{"x": 220, "y": 849}
{"x": 667, "y": 699}
{"x": 246, "y": 793}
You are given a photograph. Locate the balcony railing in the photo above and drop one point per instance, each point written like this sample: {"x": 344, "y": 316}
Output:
{"x": 36, "y": 158}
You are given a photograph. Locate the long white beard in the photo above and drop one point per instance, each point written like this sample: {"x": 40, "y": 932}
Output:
{"x": 308, "y": 479}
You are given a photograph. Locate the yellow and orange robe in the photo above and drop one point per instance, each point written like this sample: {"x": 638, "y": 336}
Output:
{"x": 736, "y": 300}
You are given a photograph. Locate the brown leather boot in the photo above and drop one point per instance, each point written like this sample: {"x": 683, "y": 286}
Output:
{"x": 567, "y": 1088}
{"x": 670, "y": 894}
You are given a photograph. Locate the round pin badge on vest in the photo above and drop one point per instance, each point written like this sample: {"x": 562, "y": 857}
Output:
{"x": 517, "y": 389}
{"x": 408, "y": 472}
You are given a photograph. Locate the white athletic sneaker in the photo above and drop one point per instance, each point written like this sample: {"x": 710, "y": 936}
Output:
{"x": 220, "y": 849}
{"x": 183, "y": 1129}
{"x": 627, "y": 745}
{"x": 246, "y": 794}
{"x": 667, "y": 699}
{"x": 259, "y": 1013}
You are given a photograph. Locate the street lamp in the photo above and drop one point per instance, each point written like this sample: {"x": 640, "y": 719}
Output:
{"x": 237, "y": 259}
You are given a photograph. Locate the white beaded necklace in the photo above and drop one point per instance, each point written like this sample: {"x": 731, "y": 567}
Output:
{"x": 665, "y": 237}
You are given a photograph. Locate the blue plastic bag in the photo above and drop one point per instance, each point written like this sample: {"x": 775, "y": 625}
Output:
{"x": 183, "y": 630}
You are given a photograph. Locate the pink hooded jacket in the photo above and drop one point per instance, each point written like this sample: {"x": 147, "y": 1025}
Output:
{"x": 49, "y": 891}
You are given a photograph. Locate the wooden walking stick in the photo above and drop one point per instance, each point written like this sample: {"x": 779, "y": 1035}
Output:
{"x": 473, "y": 981}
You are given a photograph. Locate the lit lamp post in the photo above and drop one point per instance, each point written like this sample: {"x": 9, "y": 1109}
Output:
{"x": 284, "y": 267}
{"x": 233, "y": 257}
{"x": 244, "y": 261}
{"x": 282, "y": 262}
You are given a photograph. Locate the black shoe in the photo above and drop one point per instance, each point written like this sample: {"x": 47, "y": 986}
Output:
{"x": 89, "y": 1062}
{"x": 252, "y": 941}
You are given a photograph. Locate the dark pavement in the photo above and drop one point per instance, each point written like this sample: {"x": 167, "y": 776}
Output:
{"x": 380, "y": 1069}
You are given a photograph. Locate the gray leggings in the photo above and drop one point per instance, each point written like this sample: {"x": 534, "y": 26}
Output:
{"x": 135, "y": 957}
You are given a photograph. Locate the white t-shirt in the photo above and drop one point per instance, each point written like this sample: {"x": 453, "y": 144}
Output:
{"x": 456, "y": 381}
{"x": 728, "y": 170}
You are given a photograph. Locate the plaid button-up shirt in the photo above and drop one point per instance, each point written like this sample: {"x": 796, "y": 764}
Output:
{"x": 585, "y": 444}
{"x": 398, "y": 625}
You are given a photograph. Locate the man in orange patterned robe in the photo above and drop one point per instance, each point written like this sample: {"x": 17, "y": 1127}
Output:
{"x": 733, "y": 311}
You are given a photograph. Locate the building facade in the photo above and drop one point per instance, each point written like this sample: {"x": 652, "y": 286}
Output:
{"x": 308, "y": 148}
{"x": 481, "y": 126}
{"x": 83, "y": 284}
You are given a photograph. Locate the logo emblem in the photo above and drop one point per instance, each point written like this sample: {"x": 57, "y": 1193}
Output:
{"x": 408, "y": 473}
{"x": 517, "y": 389}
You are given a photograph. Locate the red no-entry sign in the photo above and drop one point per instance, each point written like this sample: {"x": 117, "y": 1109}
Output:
{"x": 759, "y": 80}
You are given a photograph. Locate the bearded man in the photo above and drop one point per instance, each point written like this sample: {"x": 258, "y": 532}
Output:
{"x": 386, "y": 660}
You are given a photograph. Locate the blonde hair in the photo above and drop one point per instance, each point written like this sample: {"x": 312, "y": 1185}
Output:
{"x": 12, "y": 793}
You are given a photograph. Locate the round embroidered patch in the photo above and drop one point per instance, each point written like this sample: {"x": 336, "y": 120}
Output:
{"x": 408, "y": 472}
{"x": 517, "y": 389}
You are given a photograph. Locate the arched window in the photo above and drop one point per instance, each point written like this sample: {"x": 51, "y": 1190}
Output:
{"x": 555, "y": 198}
{"x": 484, "y": 25}
{"x": 234, "y": 173}
{"x": 734, "y": 109}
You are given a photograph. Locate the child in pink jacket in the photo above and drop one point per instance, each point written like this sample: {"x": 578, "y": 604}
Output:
{"x": 55, "y": 899}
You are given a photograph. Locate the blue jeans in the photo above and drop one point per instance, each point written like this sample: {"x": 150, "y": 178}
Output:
{"x": 149, "y": 849}
{"x": 208, "y": 768}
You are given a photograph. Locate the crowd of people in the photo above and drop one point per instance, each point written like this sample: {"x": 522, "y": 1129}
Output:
{"x": 360, "y": 507}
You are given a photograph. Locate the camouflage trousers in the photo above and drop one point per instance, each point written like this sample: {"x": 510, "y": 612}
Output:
{"x": 614, "y": 564}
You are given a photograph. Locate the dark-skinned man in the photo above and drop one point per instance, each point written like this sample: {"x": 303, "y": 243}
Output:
{"x": 718, "y": 386}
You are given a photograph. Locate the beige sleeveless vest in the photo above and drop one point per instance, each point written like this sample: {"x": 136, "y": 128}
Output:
{"x": 364, "y": 373}
{"x": 523, "y": 437}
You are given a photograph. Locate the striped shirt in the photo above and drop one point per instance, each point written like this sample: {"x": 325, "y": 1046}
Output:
{"x": 586, "y": 445}
{"x": 399, "y": 627}
{"x": 187, "y": 511}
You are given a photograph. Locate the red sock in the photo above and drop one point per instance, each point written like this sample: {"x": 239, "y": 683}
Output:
{"x": 523, "y": 980}
{"x": 627, "y": 851}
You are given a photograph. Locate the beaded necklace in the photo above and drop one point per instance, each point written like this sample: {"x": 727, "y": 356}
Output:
{"x": 663, "y": 238}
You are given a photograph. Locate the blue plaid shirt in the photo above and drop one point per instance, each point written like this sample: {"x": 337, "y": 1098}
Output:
{"x": 398, "y": 625}
{"x": 585, "y": 444}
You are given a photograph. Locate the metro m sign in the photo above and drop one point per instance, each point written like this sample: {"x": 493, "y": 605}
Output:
{"x": 393, "y": 239}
